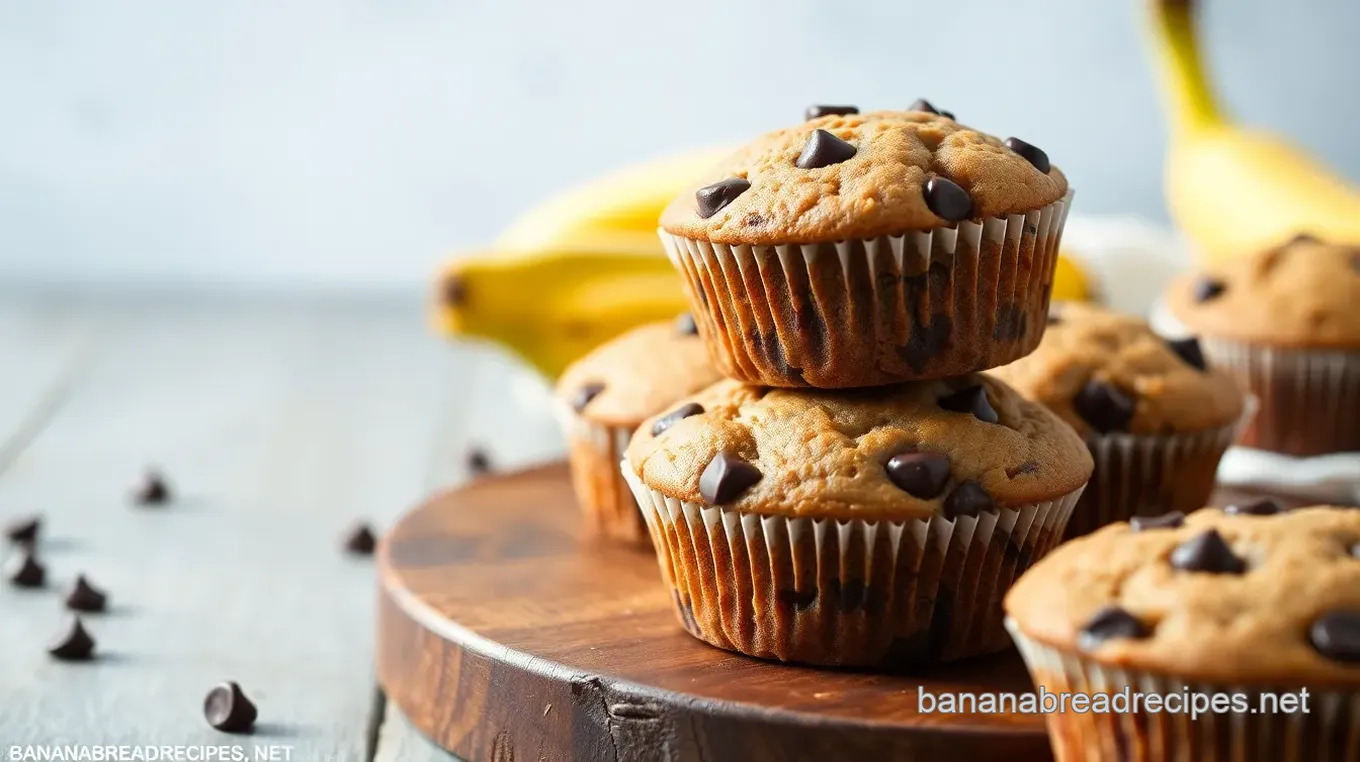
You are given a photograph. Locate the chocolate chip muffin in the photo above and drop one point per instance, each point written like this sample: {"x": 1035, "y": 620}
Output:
{"x": 871, "y": 527}
{"x": 867, "y": 249}
{"x": 1285, "y": 323}
{"x": 1156, "y": 419}
{"x": 1250, "y": 599}
{"x": 605, "y": 395}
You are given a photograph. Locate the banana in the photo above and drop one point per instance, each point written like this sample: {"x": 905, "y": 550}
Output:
{"x": 1235, "y": 190}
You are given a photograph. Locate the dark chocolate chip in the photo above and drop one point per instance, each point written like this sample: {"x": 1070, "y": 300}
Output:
{"x": 921, "y": 104}
{"x": 947, "y": 199}
{"x": 1104, "y": 407}
{"x": 1266, "y": 506}
{"x": 824, "y": 149}
{"x": 360, "y": 540}
{"x": 967, "y": 499}
{"x": 919, "y": 474}
{"x": 1109, "y": 623}
{"x": 685, "y": 325}
{"x": 1031, "y": 153}
{"x": 453, "y": 291}
{"x": 725, "y": 478}
{"x": 712, "y": 198}
{"x": 1337, "y": 635}
{"x": 23, "y": 530}
{"x": 152, "y": 489}
{"x": 227, "y": 709}
{"x": 585, "y": 394}
{"x": 24, "y": 570}
{"x": 1207, "y": 288}
{"x": 72, "y": 642}
{"x": 85, "y": 597}
{"x": 1207, "y": 552}
{"x": 1172, "y": 520}
{"x": 679, "y": 414}
{"x": 814, "y": 112}
{"x": 1189, "y": 350}
{"x": 1054, "y": 318}
{"x": 478, "y": 462}
{"x": 971, "y": 399}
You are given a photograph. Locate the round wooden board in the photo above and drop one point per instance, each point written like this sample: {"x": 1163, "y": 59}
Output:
{"x": 504, "y": 635}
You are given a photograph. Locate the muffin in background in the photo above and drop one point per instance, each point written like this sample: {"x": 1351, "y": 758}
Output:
{"x": 1156, "y": 420}
{"x": 876, "y": 527}
{"x": 1286, "y": 323}
{"x": 602, "y": 398}
{"x": 1248, "y": 600}
{"x": 867, "y": 249}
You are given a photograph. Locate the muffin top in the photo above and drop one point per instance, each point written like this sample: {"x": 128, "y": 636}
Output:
{"x": 1248, "y": 594}
{"x": 962, "y": 446}
{"x": 854, "y": 175}
{"x": 637, "y": 374}
{"x": 1303, "y": 293}
{"x": 1103, "y": 372}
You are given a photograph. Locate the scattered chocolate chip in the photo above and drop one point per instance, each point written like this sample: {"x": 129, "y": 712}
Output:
{"x": 360, "y": 540}
{"x": 23, "y": 530}
{"x": 970, "y": 399}
{"x": 85, "y": 597}
{"x": 712, "y": 198}
{"x": 1337, "y": 635}
{"x": 679, "y": 414}
{"x": 152, "y": 489}
{"x": 946, "y": 199}
{"x": 453, "y": 291}
{"x": 824, "y": 149}
{"x": 1189, "y": 350}
{"x": 1266, "y": 506}
{"x": 1031, "y": 153}
{"x": 478, "y": 462}
{"x": 72, "y": 642}
{"x": 814, "y": 112}
{"x": 1172, "y": 520}
{"x": 919, "y": 474}
{"x": 1109, "y": 623}
{"x": 1207, "y": 288}
{"x": 1207, "y": 552}
{"x": 585, "y": 394}
{"x": 921, "y": 104}
{"x": 227, "y": 709}
{"x": 967, "y": 499}
{"x": 725, "y": 478}
{"x": 24, "y": 570}
{"x": 1104, "y": 407}
{"x": 685, "y": 325}
{"x": 1054, "y": 318}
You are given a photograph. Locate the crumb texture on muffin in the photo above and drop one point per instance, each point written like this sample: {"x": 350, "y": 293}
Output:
{"x": 825, "y": 454}
{"x": 878, "y": 190}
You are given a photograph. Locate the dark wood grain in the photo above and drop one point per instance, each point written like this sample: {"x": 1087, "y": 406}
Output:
{"x": 504, "y": 635}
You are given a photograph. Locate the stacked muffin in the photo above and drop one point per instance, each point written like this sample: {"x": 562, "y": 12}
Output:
{"x": 855, "y": 493}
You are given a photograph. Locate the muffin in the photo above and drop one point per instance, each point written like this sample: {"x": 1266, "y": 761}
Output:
{"x": 1286, "y": 323}
{"x": 867, "y": 249}
{"x": 605, "y": 395}
{"x": 1249, "y": 600}
{"x": 874, "y": 527}
{"x": 1156, "y": 420}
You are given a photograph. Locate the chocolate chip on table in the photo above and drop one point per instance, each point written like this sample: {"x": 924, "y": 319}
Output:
{"x": 919, "y": 474}
{"x": 1029, "y": 152}
{"x": 1337, "y": 635}
{"x": 685, "y": 325}
{"x": 1188, "y": 349}
{"x": 24, "y": 570}
{"x": 585, "y": 394}
{"x": 360, "y": 540}
{"x": 85, "y": 597}
{"x": 227, "y": 709}
{"x": 23, "y": 530}
{"x": 152, "y": 489}
{"x": 1207, "y": 288}
{"x": 679, "y": 414}
{"x": 1110, "y": 623}
{"x": 1104, "y": 407}
{"x": 947, "y": 199}
{"x": 814, "y": 112}
{"x": 970, "y": 399}
{"x": 967, "y": 499}
{"x": 478, "y": 462}
{"x": 921, "y": 104}
{"x": 712, "y": 198}
{"x": 72, "y": 642}
{"x": 1172, "y": 520}
{"x": 1207, "y": 552}
{"x": 452, "y": 291}
{"x": 1266, "y": 506}
{"x": 725, "y": 478}
{"x": 824, "y": 149}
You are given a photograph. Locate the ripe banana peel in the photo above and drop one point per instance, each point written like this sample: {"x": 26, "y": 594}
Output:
{"x": 1234, "y": 190}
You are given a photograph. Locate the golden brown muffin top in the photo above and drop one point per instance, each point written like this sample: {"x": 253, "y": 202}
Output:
{"x": 1304, "y": 293}
{"x": 637, "y": 374}
{"x": 1276, "y": 601}
{"x": 831, "y": 454}
{"x": 1105, "y": 372}
{"x": 879, "y": 190}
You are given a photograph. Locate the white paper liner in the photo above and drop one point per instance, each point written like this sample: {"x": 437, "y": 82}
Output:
{"x": 845, "y": 593}
{"x": 594, "y": 451}
{"x": 867, "y": 312}
{"x": 1329, "y": 731}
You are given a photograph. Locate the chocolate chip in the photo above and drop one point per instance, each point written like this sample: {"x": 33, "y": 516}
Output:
{"x": 151, "y": 490}
{"x": 1109, "y": 623}
{"x": 478, "y": 462}
{"x": 725, "y": 478}
{"x": 1054, "y": 318}
{"x": 227, "y": 709}
{"x": 1337, "y": 635}
{"x": 712, "y": 198}
{"x": 1172, "y": 520}
{"x": 360, "y": 540}
{"x": 72, "y": 642}
{"x": 24, "y": 570}
{"x": 1031, "y": 153}
{"x": 947, "y": 199}
{"x": 824, "y": 149}
{"x": 85, "y": 597}
{"x": 453, "y": 291}
{"x": 814, "y": 112}
{"x": 967, "y": 499}
{"x": 922, "y": 104}
{"x": 1266, "y": 506}
{"x": 970, "y": 399}
{"x": 685, "y": 325}
{"x": 919, "y": 474}
{"x": 1207, "y": 552}
{"x": 1207, "y": 288}
{"x": 585, "y": 394}
{"x": 1188, "y": 349}
{"x": 24, "y": 530}
{"x": 1104, "y": 407}
{"x": 679, "y": 414}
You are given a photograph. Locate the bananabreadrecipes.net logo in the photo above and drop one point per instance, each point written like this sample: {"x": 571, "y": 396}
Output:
{"x": 149, "y": 753}
{"x": 1125, "y": 701}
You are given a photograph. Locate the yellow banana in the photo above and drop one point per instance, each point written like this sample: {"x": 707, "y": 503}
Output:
{"x": 1234, "y": 190}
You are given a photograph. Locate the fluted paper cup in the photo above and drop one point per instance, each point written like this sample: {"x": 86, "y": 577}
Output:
{"x": 606, "y": 501}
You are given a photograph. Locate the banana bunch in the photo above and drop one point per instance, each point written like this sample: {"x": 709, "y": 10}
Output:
{"x": 1234, "y": 190}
